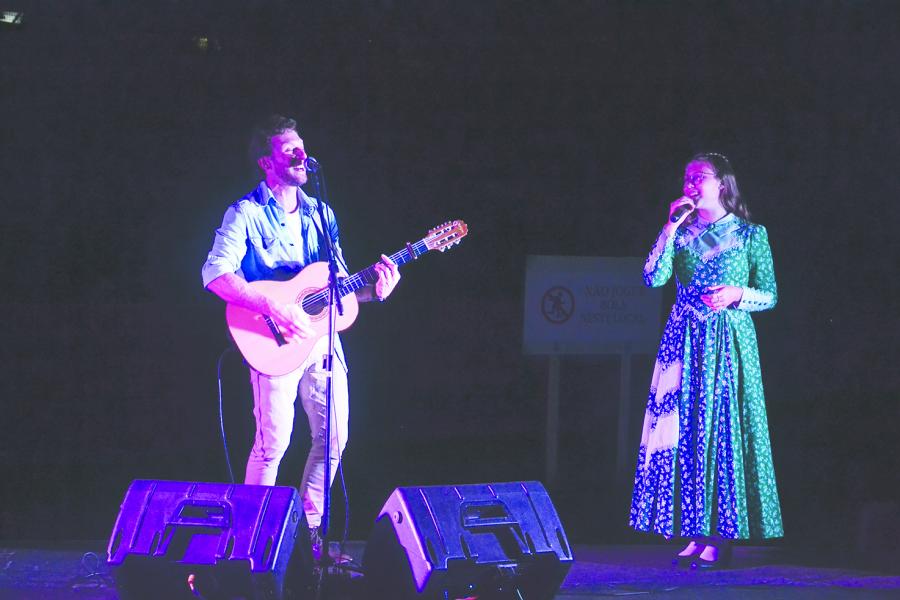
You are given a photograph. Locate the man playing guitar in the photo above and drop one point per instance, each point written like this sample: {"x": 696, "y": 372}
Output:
{"x": 271, "y": 234}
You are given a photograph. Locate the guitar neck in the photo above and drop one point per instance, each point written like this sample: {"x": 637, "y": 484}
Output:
{"x": 369, "y": 275}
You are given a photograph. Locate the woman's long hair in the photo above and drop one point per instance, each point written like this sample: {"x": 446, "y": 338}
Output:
{"x": 730, "y": 196}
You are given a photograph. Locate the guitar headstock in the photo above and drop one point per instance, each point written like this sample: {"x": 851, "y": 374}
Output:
{"x": 446, "y": 236}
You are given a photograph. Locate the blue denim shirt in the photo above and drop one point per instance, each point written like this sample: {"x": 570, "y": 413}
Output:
{"x": 255, "y": 242}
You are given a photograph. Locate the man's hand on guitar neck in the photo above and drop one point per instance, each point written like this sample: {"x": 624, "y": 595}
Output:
{"x": 388, "y": 278}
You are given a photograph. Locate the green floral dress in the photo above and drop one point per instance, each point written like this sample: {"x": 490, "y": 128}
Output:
{"x": 705, "y": 460}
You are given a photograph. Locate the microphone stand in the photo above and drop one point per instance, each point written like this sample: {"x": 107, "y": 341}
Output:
{"x": 335, "y": 307}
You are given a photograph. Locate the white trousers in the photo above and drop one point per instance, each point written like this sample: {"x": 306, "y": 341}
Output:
{"x": 273, "y": 408}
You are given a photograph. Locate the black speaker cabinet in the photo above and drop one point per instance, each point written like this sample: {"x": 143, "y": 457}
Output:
{"x": 499, "y": 540}
{"x": 179, "y": 539}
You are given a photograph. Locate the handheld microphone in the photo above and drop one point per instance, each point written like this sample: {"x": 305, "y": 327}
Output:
{"x": 312, "y": 165}
{"x": 680, "y": 212}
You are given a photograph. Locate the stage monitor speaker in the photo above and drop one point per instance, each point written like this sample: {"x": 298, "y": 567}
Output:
{"x": 179, "y": 539}
{"x": 499, "y": 540}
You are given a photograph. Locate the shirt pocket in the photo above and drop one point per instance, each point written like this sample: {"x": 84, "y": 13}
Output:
{"x": 263, "y": 243}
{"x": 268, "y": 251}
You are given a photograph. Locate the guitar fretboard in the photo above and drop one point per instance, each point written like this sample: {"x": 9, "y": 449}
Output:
{"x": 367, "y": 276}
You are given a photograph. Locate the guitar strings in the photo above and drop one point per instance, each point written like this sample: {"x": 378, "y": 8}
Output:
{"x": 354, "y": 282}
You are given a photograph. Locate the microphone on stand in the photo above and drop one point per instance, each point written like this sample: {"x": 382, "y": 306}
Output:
{"x": 312, "y": 165}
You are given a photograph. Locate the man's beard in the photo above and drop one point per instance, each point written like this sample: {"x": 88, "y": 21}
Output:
{"x": 297, "y": 178}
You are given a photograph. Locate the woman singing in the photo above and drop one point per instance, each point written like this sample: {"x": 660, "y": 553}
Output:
{"x": 705, "y": 463}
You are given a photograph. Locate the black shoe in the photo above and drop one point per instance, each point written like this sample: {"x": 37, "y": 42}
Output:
{"x": 684, "y": 561}
{"x": 723, "y": 559}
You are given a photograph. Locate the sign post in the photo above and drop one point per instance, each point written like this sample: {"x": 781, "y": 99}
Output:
{"x": 586, "y": 305}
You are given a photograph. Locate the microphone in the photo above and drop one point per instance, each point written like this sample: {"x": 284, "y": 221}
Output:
{"x": 681, "y": 211}
{"x": 312, "y": 165}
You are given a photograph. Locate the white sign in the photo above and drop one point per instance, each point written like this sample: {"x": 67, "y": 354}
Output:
{"x": 589, "y": 305}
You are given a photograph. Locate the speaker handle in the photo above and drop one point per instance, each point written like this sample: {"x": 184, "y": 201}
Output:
{"x": 486, "y": 514}
{"x": 210, "y": 514}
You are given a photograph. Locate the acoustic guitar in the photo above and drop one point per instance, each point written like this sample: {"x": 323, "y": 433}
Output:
{"x": 261, "y": 341}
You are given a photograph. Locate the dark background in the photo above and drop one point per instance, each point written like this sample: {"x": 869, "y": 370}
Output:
{"x": 550, "y": 128}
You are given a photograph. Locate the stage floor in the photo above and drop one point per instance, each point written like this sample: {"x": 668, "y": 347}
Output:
{"x": 76, "y": 570}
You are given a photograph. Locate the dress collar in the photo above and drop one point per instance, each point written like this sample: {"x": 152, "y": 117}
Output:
{"x": 700, "y": 223}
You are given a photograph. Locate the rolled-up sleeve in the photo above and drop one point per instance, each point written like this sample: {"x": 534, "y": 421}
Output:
{"x": 229, "y": 246}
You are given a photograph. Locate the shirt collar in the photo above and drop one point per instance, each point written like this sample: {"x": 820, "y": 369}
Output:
{"x": 264, "y": 197}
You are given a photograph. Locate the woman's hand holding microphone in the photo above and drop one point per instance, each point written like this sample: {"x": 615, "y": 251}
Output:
{"x": 678, "y": 211}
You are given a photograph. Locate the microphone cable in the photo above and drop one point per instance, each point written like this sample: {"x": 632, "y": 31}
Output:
{"x": 346, "y": 533}
{"x": 222, "y": 414}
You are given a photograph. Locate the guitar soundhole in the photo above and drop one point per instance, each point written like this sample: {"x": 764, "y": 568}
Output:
{"x": 315, "y": 303}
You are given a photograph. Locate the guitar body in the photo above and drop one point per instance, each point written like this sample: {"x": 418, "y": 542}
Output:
{"x": 261, "y": 346}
